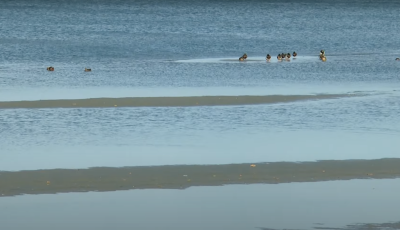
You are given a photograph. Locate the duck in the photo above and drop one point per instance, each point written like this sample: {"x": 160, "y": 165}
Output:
{"x": 288, "y": 56}
{"x": 50, "y": 68}
{"x": 268, "y": 57}
{"x": 397, "y": 59}
{"x": 294, "y": 54}
{"x": 243, "y": 57}
{"x": 279, "y": 57}
{"x": 283, "y": 55}
{"x": 88, "y": 70}
{"x": 322, "y": 55}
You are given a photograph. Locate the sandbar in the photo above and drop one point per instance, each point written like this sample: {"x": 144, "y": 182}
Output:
{"x": 167, "y": 101}
{"x": 183, "y": 176}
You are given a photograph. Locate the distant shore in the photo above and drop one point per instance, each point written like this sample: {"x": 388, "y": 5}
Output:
{"x": 166, "y": 101}
{"x": 184, "y": 176}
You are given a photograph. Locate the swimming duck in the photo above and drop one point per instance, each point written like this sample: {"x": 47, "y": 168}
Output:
{"x": 279, "y": 57}
{"x": 397, "y": 59}
{"x": 283, "y": 55}
{"x": 243, "y": 57}
{"x": 287, "y": 57}
{"x": 268, "y": 57}
{"x": 294, "y": 54}
{"x": 88, "y": 70}
{"x": 50, "y": 68}
{"x": 322, "y": 55}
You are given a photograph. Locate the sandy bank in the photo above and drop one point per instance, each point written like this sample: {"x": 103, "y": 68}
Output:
{"x": 166, "y": 101}
{"x": 184, "y": 176}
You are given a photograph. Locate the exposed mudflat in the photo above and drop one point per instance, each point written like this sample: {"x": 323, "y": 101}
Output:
{"x": 184, "y": 176}
{"x": 167, "y": 101}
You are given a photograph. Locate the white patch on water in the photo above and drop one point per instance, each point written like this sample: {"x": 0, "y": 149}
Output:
{"x": 256, "y": 59}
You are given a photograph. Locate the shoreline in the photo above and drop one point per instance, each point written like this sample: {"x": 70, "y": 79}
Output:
{"x": 100, "y": 179}
{"x": 167, "y": 101}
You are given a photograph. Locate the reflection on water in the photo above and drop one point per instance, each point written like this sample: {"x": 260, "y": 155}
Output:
{"x": 206, "y": 148}
{"x": 290, "y": 206}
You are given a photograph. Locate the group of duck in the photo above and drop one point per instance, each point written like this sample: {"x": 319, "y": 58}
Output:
{"x": 51, "y": 68}
{"x": 286, "y": 56}
{"x": 280, "y": 57}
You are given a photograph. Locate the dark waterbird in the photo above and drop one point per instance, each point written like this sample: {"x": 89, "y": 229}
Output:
{"x": 243, "y": 57}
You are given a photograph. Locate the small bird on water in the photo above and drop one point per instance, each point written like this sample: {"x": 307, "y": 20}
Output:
{"x": 288, "y": 57}
{"x": 243, "y": 57}
{"x": 322, "y": 55}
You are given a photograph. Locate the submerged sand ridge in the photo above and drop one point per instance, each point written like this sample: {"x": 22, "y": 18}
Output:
{"x": 184, "y": 176}
{"x": 167, "y": 101}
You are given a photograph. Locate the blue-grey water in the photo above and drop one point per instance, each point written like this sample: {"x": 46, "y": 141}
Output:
{"x": 180, "y": 48}
{"x": 190, "y": 48}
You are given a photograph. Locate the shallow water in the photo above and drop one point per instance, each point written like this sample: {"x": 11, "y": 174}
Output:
{"x": 180, "y": 48}
{"x": 203, "y": 77}
{"x": 163, "y": 48}
{"x": 281, "y": 206}
{"x": 351, "y": 128}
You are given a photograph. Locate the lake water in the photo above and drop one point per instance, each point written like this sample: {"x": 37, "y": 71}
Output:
{"x": 190, "y": 48}
{"x": 183, "y": 48}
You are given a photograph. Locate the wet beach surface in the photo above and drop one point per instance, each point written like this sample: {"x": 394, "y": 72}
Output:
{"x": 352, "y": 204}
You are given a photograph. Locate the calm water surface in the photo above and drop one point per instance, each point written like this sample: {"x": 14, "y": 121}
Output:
{"x": 353, "y": 128}
{"x": 332, "y": 204}
{"x": 182, "y": 48}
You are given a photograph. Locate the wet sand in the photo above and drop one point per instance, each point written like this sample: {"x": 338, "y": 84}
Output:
{"x": 363, "y": 226}
{"x": 352, "y": 204}
{"x": 184, "y": 176}
{"x": 167, "y": 101}
{"x": 369, "y": 226}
